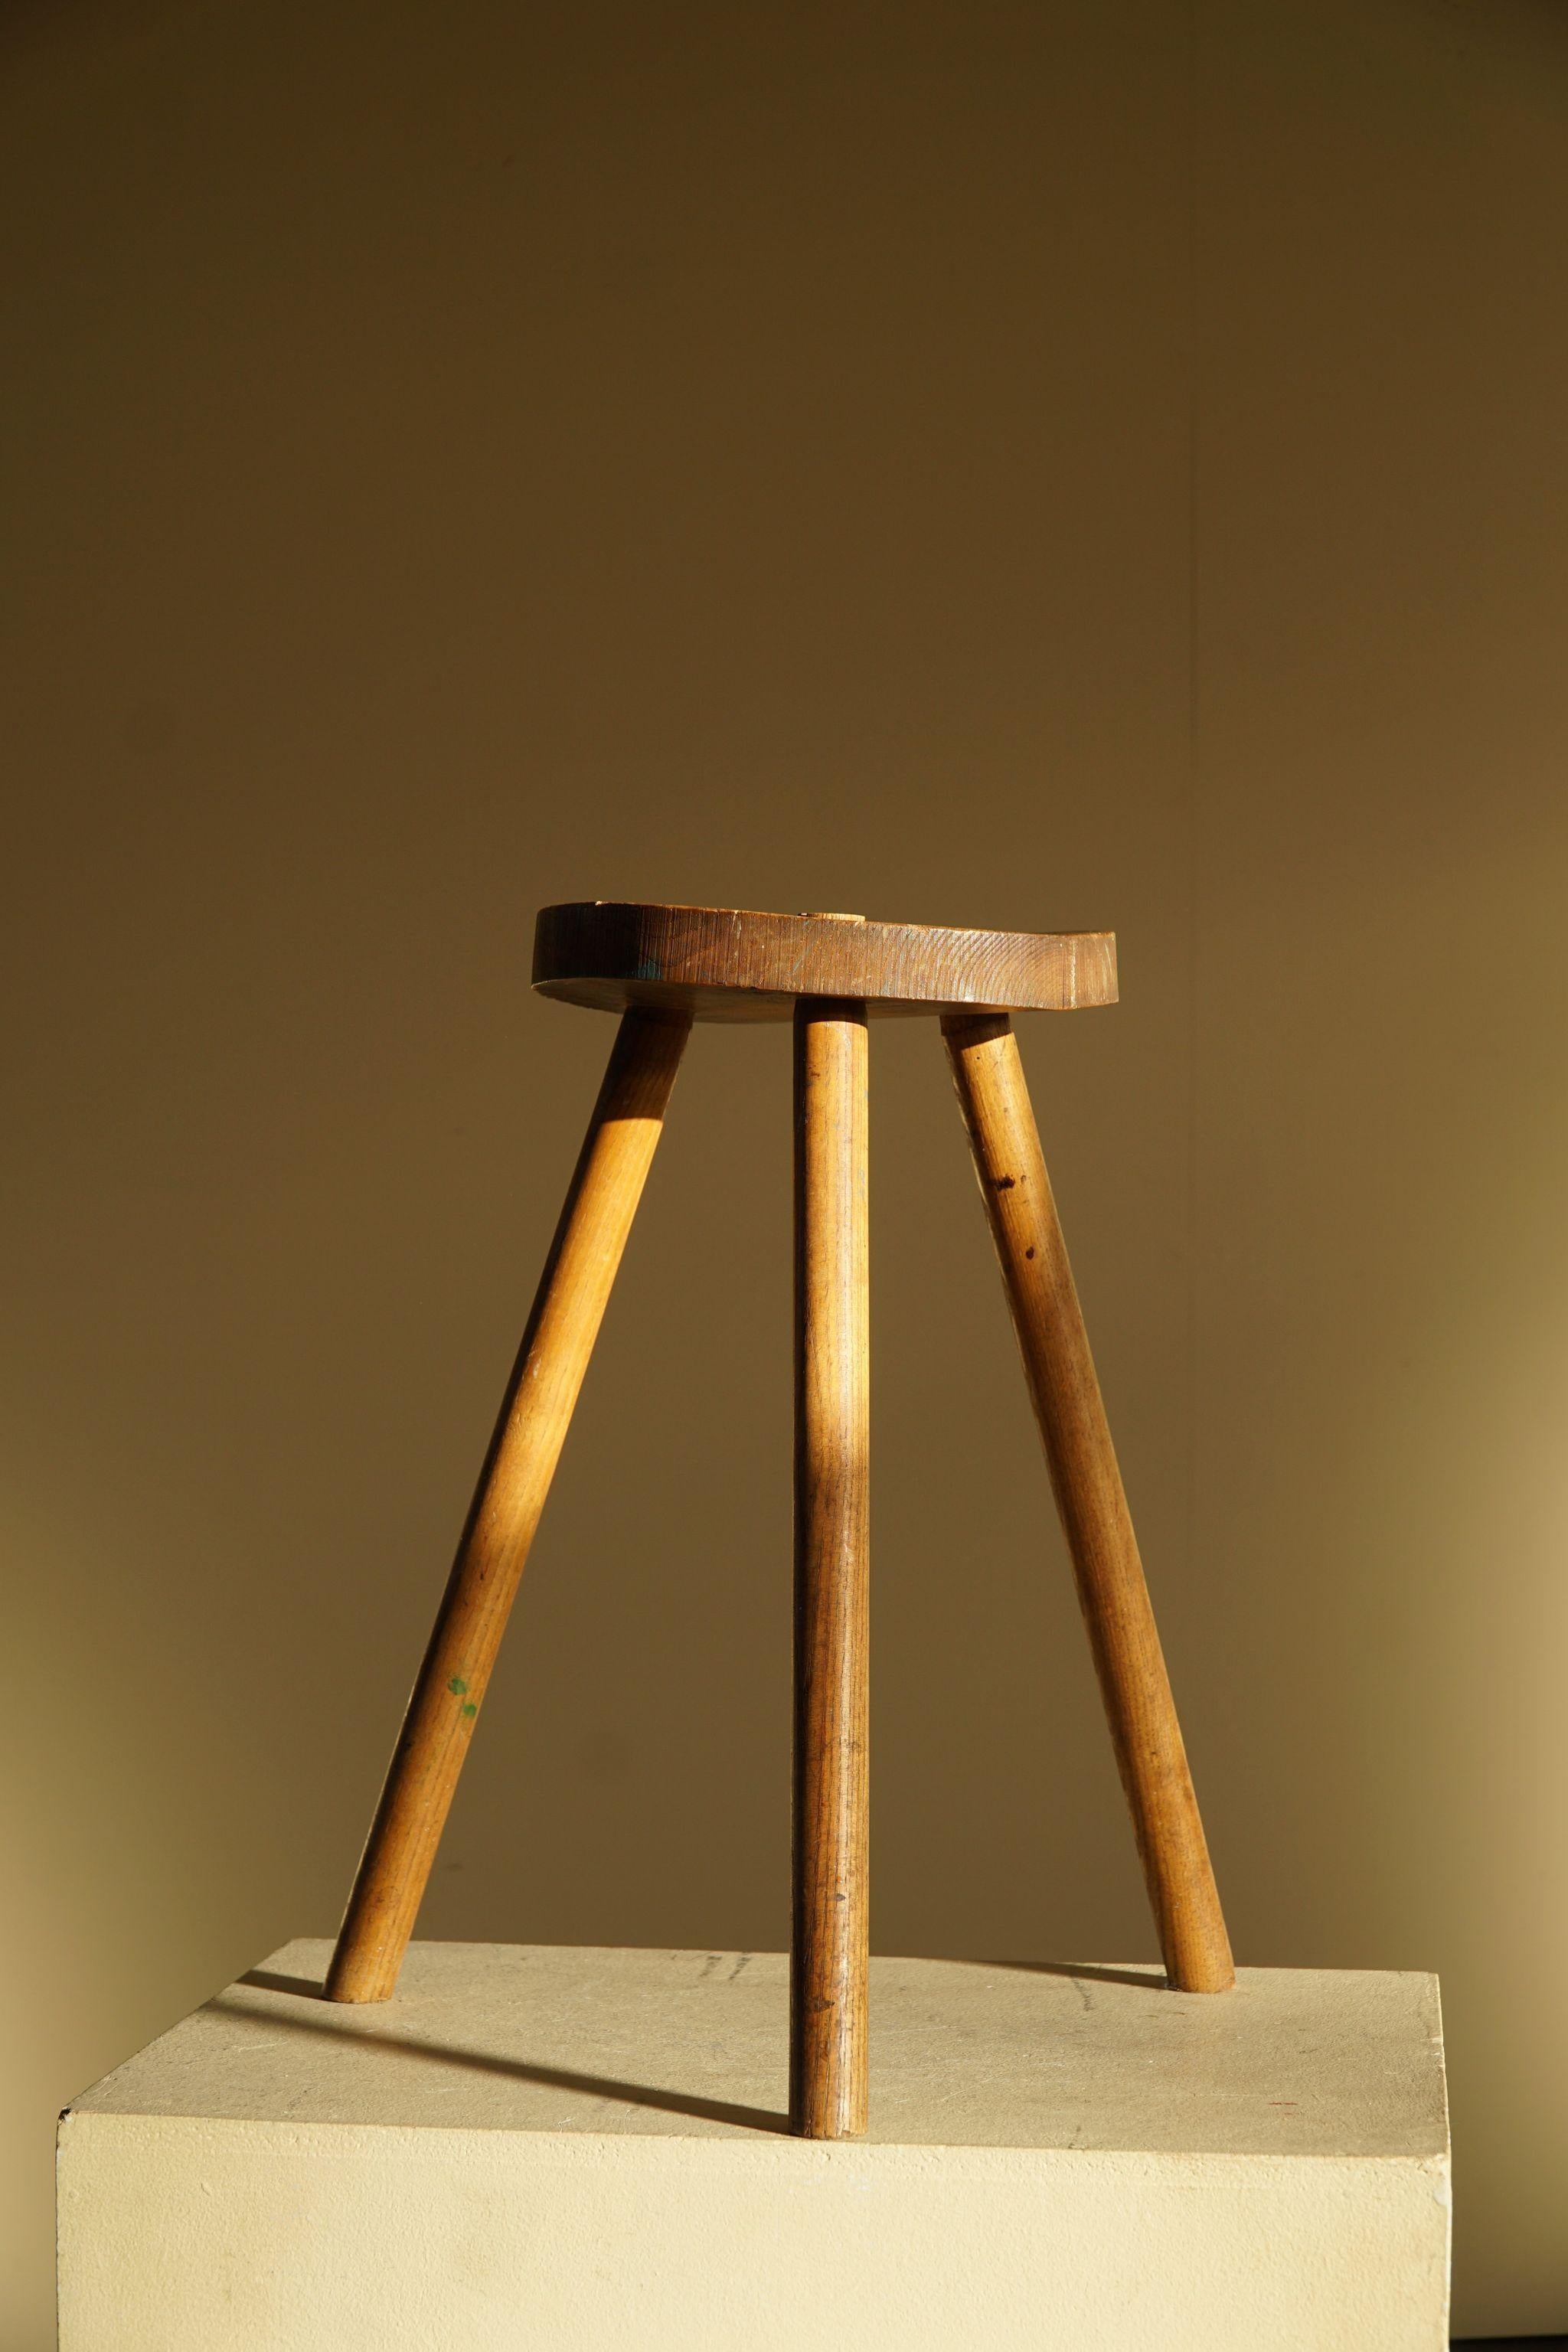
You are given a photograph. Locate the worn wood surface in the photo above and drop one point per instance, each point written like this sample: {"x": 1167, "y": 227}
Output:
{"x": 604, "y": 1191}
{"x": 830, "y": 1939}
{"x": 1112, "y": 1593}
{"x": 722, "y": 964}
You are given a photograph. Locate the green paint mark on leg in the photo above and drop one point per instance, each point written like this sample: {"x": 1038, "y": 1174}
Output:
{"x": 456, "y": 1686}
{"x": 470, "y": 1708}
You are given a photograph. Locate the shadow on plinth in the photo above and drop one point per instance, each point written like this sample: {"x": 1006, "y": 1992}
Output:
{"x": 333, "y": 2023}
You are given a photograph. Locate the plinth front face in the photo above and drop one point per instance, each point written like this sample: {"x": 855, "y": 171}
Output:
{"x": 546, "y": 2146}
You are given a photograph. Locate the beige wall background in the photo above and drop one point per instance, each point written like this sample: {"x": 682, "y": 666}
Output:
{"x": 1011, "y": 465}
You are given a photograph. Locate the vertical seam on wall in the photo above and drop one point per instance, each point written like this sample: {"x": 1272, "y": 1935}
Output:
{"x": 1193, "y": 752}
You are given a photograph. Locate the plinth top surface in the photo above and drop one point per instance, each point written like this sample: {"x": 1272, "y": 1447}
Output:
{"x": 723, "y": 963}
{"x": 556, "y": 2038}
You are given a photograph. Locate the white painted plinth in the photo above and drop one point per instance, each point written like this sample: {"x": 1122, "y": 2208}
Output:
{"x": 543, "y": 2146}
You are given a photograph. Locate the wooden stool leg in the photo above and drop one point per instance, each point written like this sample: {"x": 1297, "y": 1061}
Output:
{"x": 831, "y": 1946}
{"x": 606, "y": 1188}
{"x": 1112, "y": 1594}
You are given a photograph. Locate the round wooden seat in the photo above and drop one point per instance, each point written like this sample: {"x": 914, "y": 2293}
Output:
{"x": 721, "y": 963}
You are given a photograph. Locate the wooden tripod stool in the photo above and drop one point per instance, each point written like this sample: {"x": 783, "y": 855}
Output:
{"x": 661, "y": 968}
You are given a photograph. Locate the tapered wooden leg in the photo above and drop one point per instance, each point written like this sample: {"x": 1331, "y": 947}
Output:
{"x": 1114, "y": 1598}
{"x": 829, "y": 1952}
{"x": 606, "y": 1188}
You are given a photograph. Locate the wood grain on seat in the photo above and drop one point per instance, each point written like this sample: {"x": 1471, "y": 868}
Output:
{"x": 721, "y": 963}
